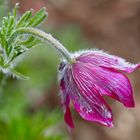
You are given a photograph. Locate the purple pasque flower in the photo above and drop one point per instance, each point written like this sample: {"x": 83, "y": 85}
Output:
{"x": 92, "y": 75}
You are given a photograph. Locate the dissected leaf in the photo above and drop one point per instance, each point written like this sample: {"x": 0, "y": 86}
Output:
{"x": 18, "y": 75}
{"x": 38, "y": 18}
{"x": 24, "y": 19}
{"x": 14, "y": 46}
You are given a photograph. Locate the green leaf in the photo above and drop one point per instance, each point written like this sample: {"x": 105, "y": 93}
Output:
{"x": 18, "y": 75}
{"x": 1, "y": 61}
{"x": 30, "y": 42}
{"x": 24, "y": 19}
{"x": 15, "y": 10}
{"x": 38, "y": 18}
{"x": 14, "y": 46}
{"x": 10, "y": 25}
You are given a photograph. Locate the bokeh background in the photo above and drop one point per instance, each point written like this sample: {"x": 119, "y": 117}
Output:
{"x": 31, "y": 110}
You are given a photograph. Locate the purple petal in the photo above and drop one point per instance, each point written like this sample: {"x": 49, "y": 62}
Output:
{"x": 102, "y": 59}
{"x": 89, "y": 104}
{"x": 68, "y": 118}
{"x": 100, "y": 114}
{"x": 65, "y": 101}
{"x": 106, "y": 81}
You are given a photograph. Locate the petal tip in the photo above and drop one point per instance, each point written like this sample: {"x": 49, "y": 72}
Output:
{"x": 130, "y": 103}
{"x": 110, "y": 124}
{"x": 106, "y": 123}
{"x": 68, "y": 118}
{"x": 132, "y": 68}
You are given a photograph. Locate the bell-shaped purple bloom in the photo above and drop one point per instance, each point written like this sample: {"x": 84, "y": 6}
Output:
{"x": 93, "y": 75}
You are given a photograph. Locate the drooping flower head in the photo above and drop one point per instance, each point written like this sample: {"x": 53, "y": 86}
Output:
{"x": 92, "y": 75}
{"x": 85, "y": 78}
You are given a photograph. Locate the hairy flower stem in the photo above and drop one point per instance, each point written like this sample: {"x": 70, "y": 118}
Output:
{"x": 47, "y": 37}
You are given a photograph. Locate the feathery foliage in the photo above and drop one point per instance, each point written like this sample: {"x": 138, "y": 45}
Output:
{"x": 11, "y": 47}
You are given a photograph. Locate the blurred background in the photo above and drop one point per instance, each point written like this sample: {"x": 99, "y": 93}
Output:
{"x": 31, "y": 110}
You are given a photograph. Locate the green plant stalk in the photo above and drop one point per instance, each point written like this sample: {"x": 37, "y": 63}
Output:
{"x": 46, "y": 37}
